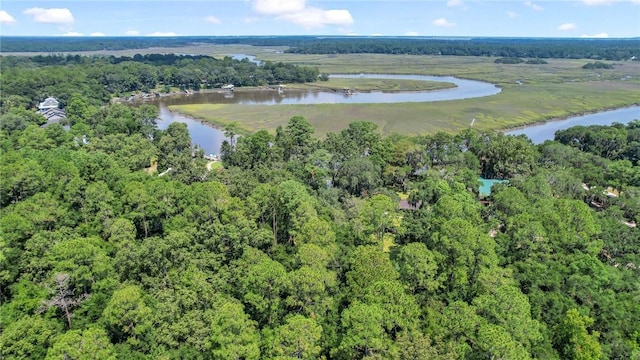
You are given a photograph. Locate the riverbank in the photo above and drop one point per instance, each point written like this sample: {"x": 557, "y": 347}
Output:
{"x": 539, "y": 133}
{"x": 337, "y": 84}
{"x": 513, "y": 108}
{"x": 333, "y": 85}
{"x": 569, "y": 116}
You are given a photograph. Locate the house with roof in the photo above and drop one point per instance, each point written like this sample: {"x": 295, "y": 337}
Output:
{"x": 49, "y": 103}
{"x": 50, "y": 109}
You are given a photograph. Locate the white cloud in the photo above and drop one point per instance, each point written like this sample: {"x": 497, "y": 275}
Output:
{"x": 454, "y": 3}
{"x": 50, "y": 16}
{"x": 533, "y": 6}
{"x": 512, "y": 14}
{"x": 600, "y": 36}
{"x": 442, "y": 22}
{"x": 279, "y": 7}
{"x": 567, "y": 27}
{"x": 297, "y": 12}
{"x": 212, "y": 19}
{"x": 376, "y": 34}
{"x": 6, "y": 18}
{"x": 597, "y": 2}
{"x": 97, "y": 33}
{"x": 607, "y": 2}
{"x": 72, "y": 33}
{"x": 311, "y": 18}
{"x": 132, "y": 32}
{"x": 163, "y": 33}
{"x": 411, "y": 33}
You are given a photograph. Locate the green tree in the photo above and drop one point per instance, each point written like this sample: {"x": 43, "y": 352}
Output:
{"x": 506, "y": 156}
{"x": 260, "y": 281}
{"x": 418, "y": 268}
{"x": 507, "y": 307}
{"x": 363, "y": 333}
{"x": 233, "y": 334}
{"x": 79, "y": 110}
{"x": 368, "y": 265}
{"x": 128, "y": 318}
{"x": 379, "y": 215}
{"x": 467, "y": 253}
{"x": 358, "y": 176}
{"x": 573, "y": 340}
{"x": 186, "y": 164}
{"x": 299, "y": 338}
{"x": 309, "y": 288}
{"x": 401, "y": 311}
{"x": 295, "y": 139}
{"x": 28, "y": 338}
{"x": 92, "y": 343}
{"x": 21, "y": 177}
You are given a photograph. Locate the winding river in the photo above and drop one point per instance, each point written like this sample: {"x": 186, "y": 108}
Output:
{"x": 210, "y": 139}
{"x": 464, "y": 89}
{"x": 540, "y": 133}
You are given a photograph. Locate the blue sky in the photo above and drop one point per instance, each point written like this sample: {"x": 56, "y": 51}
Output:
{"x": 535, "y": 18}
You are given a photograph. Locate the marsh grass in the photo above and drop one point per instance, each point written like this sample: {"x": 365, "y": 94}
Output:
{"x": 365, "y": 84}
{"x": 530, "y": 93}
{"x": 516, "y": 105}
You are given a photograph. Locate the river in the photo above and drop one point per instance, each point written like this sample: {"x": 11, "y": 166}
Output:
{"x": 206, "y": 137}
{"x": 540, "y": 133}
{"x": 464, "y": 89}
{"x": 210, "y": 138}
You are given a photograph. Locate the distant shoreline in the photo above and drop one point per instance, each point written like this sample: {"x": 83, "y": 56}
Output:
{"x": 570, "y": 116}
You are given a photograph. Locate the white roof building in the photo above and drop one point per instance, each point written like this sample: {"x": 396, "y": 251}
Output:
{"x": 49, "y": 103}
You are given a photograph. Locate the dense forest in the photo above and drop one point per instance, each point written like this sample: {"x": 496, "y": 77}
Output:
{"x": 119, "y": 241}
{"x": 27, "y": 80}
{"x": 497, "y": 47}
{"x": 305, "y": 248}
{"x": 561, "y": 48}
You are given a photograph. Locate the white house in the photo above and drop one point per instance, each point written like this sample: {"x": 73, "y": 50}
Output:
{"x": 48, "y": 103}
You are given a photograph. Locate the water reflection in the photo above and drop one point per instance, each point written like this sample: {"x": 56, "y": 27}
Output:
{"x": 464, "y": 89}
{"x": 546, "y": 131}
{"x": 206, "y": 137}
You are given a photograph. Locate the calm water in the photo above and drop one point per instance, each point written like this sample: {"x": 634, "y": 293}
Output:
{"x": 210, "y": 139}
{"x": 546, "y": 131}
{"x": 464, "y": 89}
{"x": 206, "y": 137}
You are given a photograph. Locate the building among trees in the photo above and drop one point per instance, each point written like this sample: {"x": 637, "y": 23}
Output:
{"x": 48, "y": 103}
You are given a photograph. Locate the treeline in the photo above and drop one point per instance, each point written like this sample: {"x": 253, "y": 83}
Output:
{"x": 507, "y": 48}
{"x": 67, "y": 44}
{"x": 300, "y": 248}
{"x": 615, "y": 142}
{"x": 604, "y": 49}
{"x": 31, "y": 79}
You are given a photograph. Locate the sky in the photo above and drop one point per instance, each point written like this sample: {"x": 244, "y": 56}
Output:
{"x": 505, "y": 18}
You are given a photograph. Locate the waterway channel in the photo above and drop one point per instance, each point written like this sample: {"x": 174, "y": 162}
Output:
{"x": 210, "y": 138}
{"x": 464, "y": 89}
{"x": 542, "y": 132}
